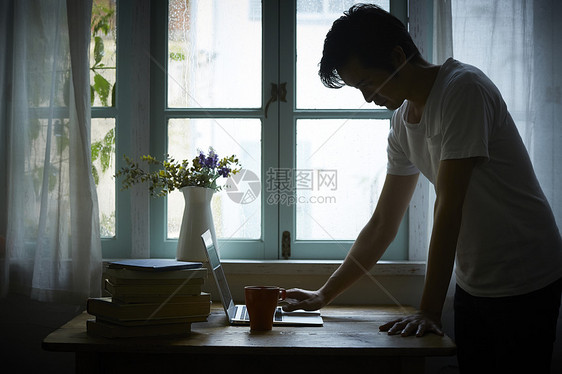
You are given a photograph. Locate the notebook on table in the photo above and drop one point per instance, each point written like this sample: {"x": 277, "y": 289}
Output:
{"x": 153, "y": 264}
{"x": 238, "y": 314}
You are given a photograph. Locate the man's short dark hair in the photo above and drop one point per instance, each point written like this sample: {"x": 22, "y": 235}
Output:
{"x": 369, "y": 33}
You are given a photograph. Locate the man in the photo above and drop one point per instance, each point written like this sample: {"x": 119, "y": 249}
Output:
{"x": 452, "y": 125}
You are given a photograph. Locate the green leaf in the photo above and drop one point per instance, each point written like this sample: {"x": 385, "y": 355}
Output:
{"x": 99, "y": 50}
{"x": 95, "y": 175}
{"x": 113, "y": 93}
{"x": 109, "y": 138}
{"x": 92, "y": 95}
{"x": 102, "y": 87}
{"x": 105, "y": 158}
{"x": 96, "y": 150}
{"x": 101, "y": 16}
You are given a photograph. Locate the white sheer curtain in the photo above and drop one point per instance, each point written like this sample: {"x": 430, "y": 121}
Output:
{"x": 518, "y": 44}
{"x": 50, "y": 247}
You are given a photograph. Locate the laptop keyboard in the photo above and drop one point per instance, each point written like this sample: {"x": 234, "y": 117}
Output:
{"x": 277, "y": 317}
{"x": 244, "y": 315}
{"x": 278, "y": 314}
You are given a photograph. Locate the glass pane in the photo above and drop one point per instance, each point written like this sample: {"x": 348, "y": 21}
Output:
{"x": 214, "y": 54}
{"x": 103, "y": 169}
{"x": 314, "y": 20}
{"x": 500, "y": 44}
{"x": 103, "y": 54}
{"x": 235, "y": 218}
{"x": 341, "y": 167}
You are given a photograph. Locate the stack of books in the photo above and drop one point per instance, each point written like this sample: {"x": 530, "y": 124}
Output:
{"x": 149, "y": 297}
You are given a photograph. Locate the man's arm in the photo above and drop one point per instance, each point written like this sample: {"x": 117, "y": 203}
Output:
{"x": 370, "y": 245}
{"x": 451, "y": 186}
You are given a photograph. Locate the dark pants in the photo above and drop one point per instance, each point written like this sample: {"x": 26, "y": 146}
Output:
{"x": 506, "y": 334}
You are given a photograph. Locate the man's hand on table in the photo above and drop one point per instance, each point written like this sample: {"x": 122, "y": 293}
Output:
{"x": 417, "y": 324}
{"x": 303, "y": 299}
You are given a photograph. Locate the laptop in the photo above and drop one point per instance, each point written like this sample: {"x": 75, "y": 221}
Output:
{"x": 238, "y": 314}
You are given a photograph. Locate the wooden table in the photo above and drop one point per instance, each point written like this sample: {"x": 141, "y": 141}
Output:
{"x": 349, "y": 340}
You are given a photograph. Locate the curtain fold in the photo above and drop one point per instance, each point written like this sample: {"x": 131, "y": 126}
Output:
{"x": 52, "y": 241}
{"x": 442, "y": 31}
{"x": 517, "y": 44}
{"x": 545, "y": 133}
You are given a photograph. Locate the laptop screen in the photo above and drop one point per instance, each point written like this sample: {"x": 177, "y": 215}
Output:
{"x": 220, "y": 278}
{"x": 296, "y": 318}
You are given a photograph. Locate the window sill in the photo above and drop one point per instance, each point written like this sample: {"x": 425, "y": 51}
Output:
{"x": 317, "y": 267}
{"x": 312, "y": 267}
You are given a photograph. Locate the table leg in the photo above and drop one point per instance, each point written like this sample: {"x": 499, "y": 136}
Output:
{"x": 87, "y": 363}
{"x": 412, "y": 365}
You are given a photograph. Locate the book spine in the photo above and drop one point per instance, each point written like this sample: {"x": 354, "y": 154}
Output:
{"x": 106, "y": 330}
{"x": 117, "y": 281}
{"x": 162, "y": 290}
{"x": 108, "y": 309}
{"x": 176, "y": 274}
{"x": 156, "y": 299}
{"x": 153, "y": 321}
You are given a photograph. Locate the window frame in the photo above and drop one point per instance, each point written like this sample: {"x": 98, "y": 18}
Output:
{"x": 142, "y": 233}
{"x": 131, "y": 105}
{"x": 290, "y": 114}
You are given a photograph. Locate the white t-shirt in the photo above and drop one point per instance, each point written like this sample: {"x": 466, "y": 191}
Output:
{"x": 508, "y": 243}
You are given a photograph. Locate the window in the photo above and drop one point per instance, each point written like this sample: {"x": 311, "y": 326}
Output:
{"x": 241, "y": 76}
{"x": 103, "y": 61}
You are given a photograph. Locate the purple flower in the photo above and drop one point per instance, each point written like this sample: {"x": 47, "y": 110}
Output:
{"x": 201, "y": 158}
{"x": 212, "y": 160}
{"x": 224, "y": 171}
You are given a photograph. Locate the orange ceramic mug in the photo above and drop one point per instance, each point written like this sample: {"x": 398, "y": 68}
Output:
{"x": 261, "y": 302}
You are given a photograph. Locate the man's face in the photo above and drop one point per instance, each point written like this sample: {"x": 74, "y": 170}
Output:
{"x": 377, "y": 85}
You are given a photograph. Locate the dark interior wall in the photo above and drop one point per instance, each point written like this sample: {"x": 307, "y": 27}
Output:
{"x": 24, "y": 323}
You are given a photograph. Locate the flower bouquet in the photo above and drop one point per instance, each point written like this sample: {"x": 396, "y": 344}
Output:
{"x": 170, "y": 175}
{"x": 197, "y": 181}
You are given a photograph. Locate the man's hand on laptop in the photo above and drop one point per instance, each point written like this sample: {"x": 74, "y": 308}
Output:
{"x": 303, "y": 299}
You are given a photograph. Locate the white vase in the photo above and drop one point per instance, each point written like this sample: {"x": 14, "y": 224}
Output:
{"x": 197, "y": 218}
